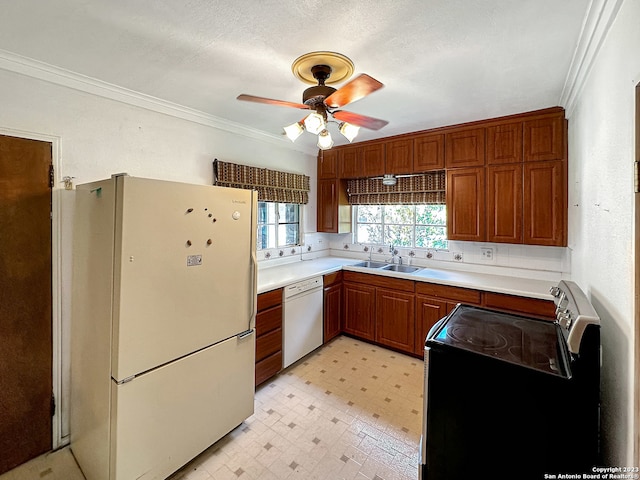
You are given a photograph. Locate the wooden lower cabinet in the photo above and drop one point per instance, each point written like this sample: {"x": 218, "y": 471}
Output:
{"x": 428, "y": 311}
{"x": 530, "y": 307}
{"x": 359, "y": 310}
{"x": 268, "y": 335}
{"x": 395, "y": 319}
{"x": 332, "y": 306}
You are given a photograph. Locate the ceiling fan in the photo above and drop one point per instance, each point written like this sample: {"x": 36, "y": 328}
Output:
{"x": 325, "y": 100}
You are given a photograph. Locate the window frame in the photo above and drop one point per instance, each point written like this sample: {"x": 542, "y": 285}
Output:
{"x": 412, "y": 225}
{"x": 278, "y": 224}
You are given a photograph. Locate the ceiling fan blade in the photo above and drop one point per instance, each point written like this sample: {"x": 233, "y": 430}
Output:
{"x": 270, "y": 101}
{"x": 359, "y": 87}
{"x": 360, "y": 120}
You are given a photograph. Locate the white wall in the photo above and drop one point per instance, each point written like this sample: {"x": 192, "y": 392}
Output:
{"x": 98, "y": 137}
{"x": 601, "y": 231}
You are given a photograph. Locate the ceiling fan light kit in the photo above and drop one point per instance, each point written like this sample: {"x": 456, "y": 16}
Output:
{"x": 327, "y": 67}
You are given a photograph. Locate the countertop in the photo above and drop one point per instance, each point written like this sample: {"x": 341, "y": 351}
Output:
{"x": 272, "y": 277}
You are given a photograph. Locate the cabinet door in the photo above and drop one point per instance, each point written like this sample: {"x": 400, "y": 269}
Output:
{"x": 372, "y": 160}
{"x": 327, "y": 218}
{"x": 350, "y": 161}
{"x": 399, "y": 157}
{"x": 359, "y": 310}
{"x": 395, "y": 320}
{"x": 465, "y": 148}
{"x": 333, "y": 209}
{"x": 328, "y": 164}
{"x": 428, "y": 312}
{"x": 504, "y": 203}
{"x": 465, "y": 204}
{"x": 545, "y": 203}
{"x": 544, "y": 139}
{"x": 504, "y": 143}
{"x": 428, "y": 153}
{"x": 332, "y": 311}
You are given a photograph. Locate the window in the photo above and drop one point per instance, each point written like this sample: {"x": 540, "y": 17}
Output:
{"x": 422, "y": 226}
{"x": 278, "y": 224}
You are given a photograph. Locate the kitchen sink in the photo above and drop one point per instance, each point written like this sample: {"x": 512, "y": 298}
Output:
{"x": 401, "y": 268}
{"x": 370, "y": 264}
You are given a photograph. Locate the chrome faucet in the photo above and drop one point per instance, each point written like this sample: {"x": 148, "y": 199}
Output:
{"x": 393, "y": 252}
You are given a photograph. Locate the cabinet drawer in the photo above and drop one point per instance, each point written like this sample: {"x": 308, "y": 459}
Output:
{"x": 462, "y": 295}
{"x": 268, "y": 367}
{"x": 529, "y": 306}
{"x": 269, "y": 299}
{"x": 268, "y": 320}
{"x": 331, "y": 278}
{"x": 268, "y": 344}
{"x": 380, "y": 281}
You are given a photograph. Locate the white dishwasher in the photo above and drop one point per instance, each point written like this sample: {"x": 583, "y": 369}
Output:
{"x": 302, "y": 319}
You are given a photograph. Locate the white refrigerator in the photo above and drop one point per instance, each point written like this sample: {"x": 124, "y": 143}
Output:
{"x": 163, "y": 317}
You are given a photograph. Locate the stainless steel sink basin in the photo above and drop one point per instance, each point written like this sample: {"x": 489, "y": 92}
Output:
{"x": 370, "y": 264}
{"x": 401, "y": 268}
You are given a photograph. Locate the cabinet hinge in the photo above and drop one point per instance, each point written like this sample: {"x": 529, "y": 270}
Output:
{"x": 51, "y": 176}
{"x": 53, "y": 404}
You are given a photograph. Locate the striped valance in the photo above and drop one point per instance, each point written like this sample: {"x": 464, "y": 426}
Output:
{"x": 427, "y": 188}
{"x": 272, "y": 185}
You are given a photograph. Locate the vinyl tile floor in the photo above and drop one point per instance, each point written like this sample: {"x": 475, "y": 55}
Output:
{"x": 350, "y": 410}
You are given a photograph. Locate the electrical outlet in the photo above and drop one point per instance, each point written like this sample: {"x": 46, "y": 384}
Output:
{"x": 487, "y": 253}
{"x": 457, "y": 256}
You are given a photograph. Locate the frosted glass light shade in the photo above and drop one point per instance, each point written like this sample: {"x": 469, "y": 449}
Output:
{"x": 325, "y": 142}
{"x": 293, "y": 131}
{"x": 314, "y": 123}
{"x": 349, "y": 131}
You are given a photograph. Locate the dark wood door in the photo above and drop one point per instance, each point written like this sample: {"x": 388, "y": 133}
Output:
{"x": 332, "y": 311}
{"x": 428, "y": 152}
{"x": 504, "y": 143}
{"x": 465, "y": 148}
{"x": 428, "y": 312}
{"x": 372, "y": 160}
{"x": 350, "y": 162}
{"x": 465, "y": 204}
{"x": 25, "y": 301}
{"x": 395, "y": 320}
{"x": 327, "y": 220}
{"x": 359, "y": 310}
{"x": 544, "y": 139}
{"x": 399, "y": 157}
{"x": 545, "y": 203}
{"x": 328, "y": 164}
{"x": 504, "y": 203}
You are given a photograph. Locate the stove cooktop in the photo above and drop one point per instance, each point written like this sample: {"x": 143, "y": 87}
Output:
{"x": 528, "y": 342}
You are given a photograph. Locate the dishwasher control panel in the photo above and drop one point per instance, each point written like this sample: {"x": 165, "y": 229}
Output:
{"x": 302, "y": 286}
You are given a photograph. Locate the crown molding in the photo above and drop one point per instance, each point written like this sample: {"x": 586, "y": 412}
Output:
{"x": 597, "y": 22}
{"x": 66, "y": 78}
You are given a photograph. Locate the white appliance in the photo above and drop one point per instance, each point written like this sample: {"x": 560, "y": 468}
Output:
{"x": 303, "y": 321}
{"x": 163, "y": 344}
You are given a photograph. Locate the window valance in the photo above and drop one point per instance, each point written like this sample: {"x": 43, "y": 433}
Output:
{"x": 272, "y": 185}
{"x": 427, "y": 188}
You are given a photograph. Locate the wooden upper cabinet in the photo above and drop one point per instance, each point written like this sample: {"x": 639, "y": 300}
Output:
{"x": 350, "y": 162}
{"x": 328, "y": 164}
{"x": 465, "y": 204}
{"x": 373, "y": 159}
{"x": 428, "y": 152}
{"x": 504, "y": 143}
{"x": 545, "y": 203}
{"x": 504, "y": 203}
{"x": 333, "y": 209}
{"x": 465, "y": 148}
{"x": 399, "y": 156}
{"x": 544, "y": 138}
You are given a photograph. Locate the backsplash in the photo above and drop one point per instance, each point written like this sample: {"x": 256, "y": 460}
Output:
{"x": 537, "y": 262}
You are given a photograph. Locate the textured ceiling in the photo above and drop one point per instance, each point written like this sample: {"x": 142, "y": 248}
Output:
{"x": 442, "y": 61}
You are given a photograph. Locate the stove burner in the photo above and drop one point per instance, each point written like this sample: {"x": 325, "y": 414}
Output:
{"x": 485, "y": 338}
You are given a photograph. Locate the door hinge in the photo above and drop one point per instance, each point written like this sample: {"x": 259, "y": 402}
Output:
{"x": 51, "y": 176}
{"x": 53, "y": 404}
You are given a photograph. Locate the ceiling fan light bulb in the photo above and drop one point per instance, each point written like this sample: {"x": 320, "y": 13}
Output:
{"x": 325, "y": 142}
{"x": 349, "y": 131}
{"x": 293, "y": 131}
{"x": 314, "y": 123}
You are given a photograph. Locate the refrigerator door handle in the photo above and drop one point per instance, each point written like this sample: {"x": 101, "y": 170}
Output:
{"x": 245, "y": 334}
{"x": 254, "y": 293}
